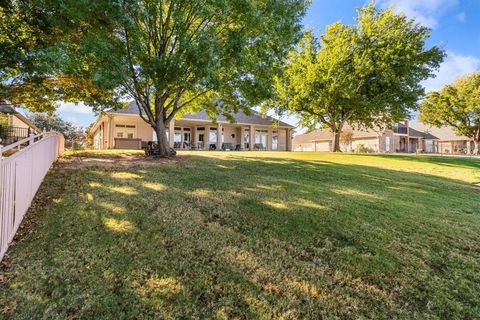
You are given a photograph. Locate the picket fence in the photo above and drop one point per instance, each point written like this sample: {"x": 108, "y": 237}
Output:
{"x": 21, "y": 174}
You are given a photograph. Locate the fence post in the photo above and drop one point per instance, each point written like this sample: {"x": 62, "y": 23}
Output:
{"x": 32, "y": 139}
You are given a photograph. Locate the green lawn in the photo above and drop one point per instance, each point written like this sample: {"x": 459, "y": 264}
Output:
{"x": 239, "y": 235}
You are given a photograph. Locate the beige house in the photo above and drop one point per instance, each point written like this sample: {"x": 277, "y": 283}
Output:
{"x": 14, "y": 126}
{"x": 125, "y": 129}
{"x": 448, "y": 141}
{"x": 403, "y": 137}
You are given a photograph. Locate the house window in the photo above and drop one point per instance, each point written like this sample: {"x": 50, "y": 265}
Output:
{"x": 261, "y": 137}
{"x": 125, "y": 131}
{"x": 275, "y": 140}
{"x": 387, "y": 144}
{"x": 213, "y": 135}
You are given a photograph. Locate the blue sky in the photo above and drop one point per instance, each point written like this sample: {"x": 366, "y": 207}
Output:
{"x": 455, "y": 27}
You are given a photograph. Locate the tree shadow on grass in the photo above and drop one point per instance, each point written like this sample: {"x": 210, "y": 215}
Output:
{"x": 249, "y": 238}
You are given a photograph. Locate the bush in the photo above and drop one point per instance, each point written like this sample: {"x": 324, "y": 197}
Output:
{"x": 419, "y": 150}
{"x": 361, "y": 149}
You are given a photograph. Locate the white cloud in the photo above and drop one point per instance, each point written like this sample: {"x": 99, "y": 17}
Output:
{"x": 455, "y": 65}
{"x": 426, "y": 12}
{"x": 461, "y": 17}
{"x": 75, "y": 108}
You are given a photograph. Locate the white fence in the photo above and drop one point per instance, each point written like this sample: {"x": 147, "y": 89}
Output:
{"x": 20, "y": 177}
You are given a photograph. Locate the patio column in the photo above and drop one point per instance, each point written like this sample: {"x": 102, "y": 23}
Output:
{"x": 242, "y": 134}
{"x": 171, "y": 133}
{"x": 289, "y": 139}
{"x": 252, "y": 138}
{"x": 111, "y": 142}
{"x": 193, "y": 138}
{"x": 451, "y": 147}
{"x": 219, "y": 136}
{"x": 238, "y": 137}
{"x": 206, "y": 138}
{"x": 469, "y": 150}
{"x": 269, "y": 139}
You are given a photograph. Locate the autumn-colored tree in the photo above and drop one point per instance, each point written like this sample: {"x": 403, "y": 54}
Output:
{"x": 30, "y": 75}
{"x": 456, "y": 105}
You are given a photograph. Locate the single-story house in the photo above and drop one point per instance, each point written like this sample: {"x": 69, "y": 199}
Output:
{"x": 14, "y": 126}
{"x": 125, "y": 129}
{"x": 448, "y": 141}
{"x": 403, "y": 137}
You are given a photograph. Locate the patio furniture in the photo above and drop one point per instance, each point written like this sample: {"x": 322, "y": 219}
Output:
{"x": 227, "y": 146}
{"x": 151, "y": 149}
{"x": 259, "y": 146}
{"x": 238, "y": 147}
{"x": 212, "y": 146}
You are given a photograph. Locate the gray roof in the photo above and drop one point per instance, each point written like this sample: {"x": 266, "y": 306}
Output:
{"x": 240, "y": 117}
{"x": 7, "y": 109}
{"x": 421, "y": 134}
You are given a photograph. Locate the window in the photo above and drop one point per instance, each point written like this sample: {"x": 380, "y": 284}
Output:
{"x": 275, "y": 140}
{"x": 177, "y": 137}
{"x": 261, "y": 137}
{"x": 213, "y": 135}
{"x": 201, "y": 137}
{"x": 246, "y": 136}
{"x": 125, "y": 131}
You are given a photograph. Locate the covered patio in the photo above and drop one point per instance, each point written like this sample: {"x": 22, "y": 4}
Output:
{"x": 196, "y": 135}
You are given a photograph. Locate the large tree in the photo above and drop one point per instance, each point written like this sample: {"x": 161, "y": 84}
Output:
{"x": 170, "y": 55}
{"x": 367, "y": 74}
{"x": 30, "y": 75}
{"x": 456, "y": 105}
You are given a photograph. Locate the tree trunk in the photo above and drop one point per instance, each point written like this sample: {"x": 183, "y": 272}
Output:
{"x": 476, "y": 142}
{"x": 163, "y": 147}
{"x": 336, "y": 140}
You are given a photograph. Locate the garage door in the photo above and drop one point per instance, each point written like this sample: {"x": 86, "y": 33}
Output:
{"x": 323, "y": 146}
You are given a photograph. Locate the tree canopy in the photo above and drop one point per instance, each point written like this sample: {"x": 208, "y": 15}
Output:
{"x": 30, "y": 75}
{"x": 367, "y": 74}
{"x": 170, "y": 55}
{"x": 53, "y": 122}
{"x": 456, "y": 105}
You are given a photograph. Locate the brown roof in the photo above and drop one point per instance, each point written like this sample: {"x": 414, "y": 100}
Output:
{"x": 442, "y": 133}
{"x": 326, "y": 135}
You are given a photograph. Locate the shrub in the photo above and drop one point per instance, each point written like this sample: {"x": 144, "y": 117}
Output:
{"x": 361, "y": 149}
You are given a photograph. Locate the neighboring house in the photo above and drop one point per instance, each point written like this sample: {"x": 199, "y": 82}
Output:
{"x": 448, "y": 140}
{"x": 401, "y": 138}
{"x": 14, "y": 126}
{"x": 125, "y": 129}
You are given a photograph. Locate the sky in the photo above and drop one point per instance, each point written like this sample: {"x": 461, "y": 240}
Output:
{"x": 454, "y": 24}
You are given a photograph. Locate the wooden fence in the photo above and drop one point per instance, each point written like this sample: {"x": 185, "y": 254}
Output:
{"x": 21, "y": 174}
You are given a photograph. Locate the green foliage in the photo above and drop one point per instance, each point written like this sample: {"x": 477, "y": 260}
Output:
{"x": 168, "y": 55}
{"x": 367, "y": 74}
{"x": 456, "y": 105}
{"x": 361, "y": 148}
{"x": 54, "y": 123}
{"x": 30, "y": 74}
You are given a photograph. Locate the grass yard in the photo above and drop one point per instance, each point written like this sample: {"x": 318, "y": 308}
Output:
{"x": 244, "y": 235}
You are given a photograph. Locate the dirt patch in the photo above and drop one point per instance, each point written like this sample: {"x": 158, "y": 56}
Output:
{"x": 113, "y": 161}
